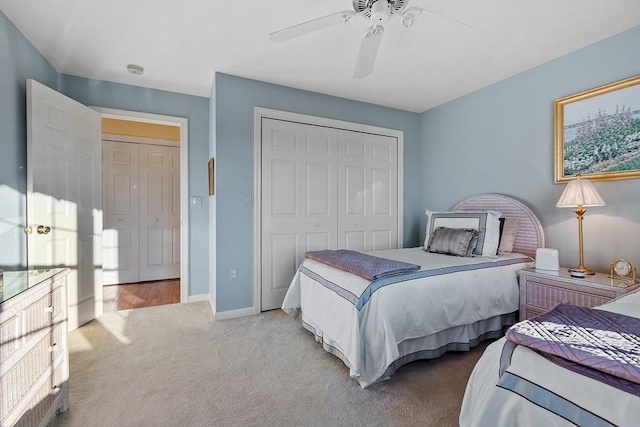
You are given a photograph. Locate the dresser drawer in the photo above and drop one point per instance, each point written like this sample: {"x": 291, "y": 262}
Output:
{"x": 37, "y": 315}
{"x": 545, "y": 295}
{"x": 43, "y": 399}
{"x": 10, "y": 337}
{"x": 22, "y": 376}
{"x": 34, "y": 355}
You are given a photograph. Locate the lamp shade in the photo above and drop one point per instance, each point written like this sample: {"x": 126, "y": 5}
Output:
{"x": 580, "y": 192}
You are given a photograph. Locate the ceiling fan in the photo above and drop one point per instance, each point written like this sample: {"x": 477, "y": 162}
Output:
{"x": 377, "y": 11}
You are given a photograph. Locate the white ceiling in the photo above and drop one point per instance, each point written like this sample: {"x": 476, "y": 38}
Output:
{"x": 181, "y": 44}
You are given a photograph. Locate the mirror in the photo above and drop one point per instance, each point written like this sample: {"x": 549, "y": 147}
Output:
{"x": 13, "y": 219}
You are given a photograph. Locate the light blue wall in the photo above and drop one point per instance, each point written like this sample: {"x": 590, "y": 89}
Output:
{"x": 500, "y": 139}
{"x": 19, "y": 61}
{"x": 235, "y": 99}
{"x": 99, "y": 93}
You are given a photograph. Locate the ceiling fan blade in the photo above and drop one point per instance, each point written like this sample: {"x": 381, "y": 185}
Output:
{"x": 368, "y": 51}
{"x": 311, "y": 26}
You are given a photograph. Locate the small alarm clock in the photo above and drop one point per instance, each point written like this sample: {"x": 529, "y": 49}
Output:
{"x": 622, "y": 269}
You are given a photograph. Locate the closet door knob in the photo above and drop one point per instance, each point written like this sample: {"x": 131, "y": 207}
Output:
{"x": 317, "y": 224}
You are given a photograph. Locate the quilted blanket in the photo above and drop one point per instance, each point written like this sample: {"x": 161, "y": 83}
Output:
{"x": 596, "y": 343}
{"x": 367, "y": 266}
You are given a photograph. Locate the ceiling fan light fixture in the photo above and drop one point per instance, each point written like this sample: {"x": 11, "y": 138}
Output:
{"x": 381, "y": 12}
{"x": 135, "y": 69}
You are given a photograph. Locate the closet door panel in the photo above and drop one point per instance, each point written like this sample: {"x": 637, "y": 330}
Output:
{"x": 367, "y": 191}
{"x": 159, "y": 216}
{"x": 355, "y": 241}
{"x": 120, "y": 205}
{"x": 298, "y": 201}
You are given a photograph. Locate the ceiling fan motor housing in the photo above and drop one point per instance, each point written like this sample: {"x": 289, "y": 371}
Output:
{"x": 379, "y": 11}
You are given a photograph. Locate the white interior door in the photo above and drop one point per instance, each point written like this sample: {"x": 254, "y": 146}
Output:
{"x": 121, "y": 213}
{"x": 367, "y": 191}
{"x": 298, "y": 200}
{"x": 64, "y": 195}
{"x": 159, "y": 212}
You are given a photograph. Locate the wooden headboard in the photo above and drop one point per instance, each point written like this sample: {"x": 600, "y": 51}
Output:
{"x": 530, "y": 234}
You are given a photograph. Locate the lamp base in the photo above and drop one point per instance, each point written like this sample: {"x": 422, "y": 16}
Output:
{"x": 581, "y": 271}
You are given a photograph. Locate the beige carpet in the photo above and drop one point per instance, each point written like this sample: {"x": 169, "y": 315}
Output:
{"x": 174, "y": 366}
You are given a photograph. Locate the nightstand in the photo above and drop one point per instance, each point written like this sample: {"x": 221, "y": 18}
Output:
{"x": 540, "y": 290}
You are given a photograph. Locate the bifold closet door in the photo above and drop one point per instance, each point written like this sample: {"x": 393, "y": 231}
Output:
{"x": 141, "y": 200}
{"x": 159, "y": 230}
{"x": 121, "y": 213}
{"x": 298, "y": 200}
{"x": 367, "y": 191}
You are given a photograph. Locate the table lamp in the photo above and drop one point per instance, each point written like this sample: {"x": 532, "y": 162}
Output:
{"x": 578, "y": 194}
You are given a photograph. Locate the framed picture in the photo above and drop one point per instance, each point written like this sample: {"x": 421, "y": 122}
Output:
{"x": 212, "y": 187}
{"x": 597, "y": 133}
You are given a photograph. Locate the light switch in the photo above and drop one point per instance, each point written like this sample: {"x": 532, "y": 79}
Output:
{"x": 196, "y": 201}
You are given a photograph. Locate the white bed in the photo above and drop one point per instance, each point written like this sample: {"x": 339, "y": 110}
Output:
{"x": 375, "y": 330}
{"x": 568, "y": 395}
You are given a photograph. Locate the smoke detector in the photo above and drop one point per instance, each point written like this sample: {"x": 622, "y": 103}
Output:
{"x": 135, "y": 69}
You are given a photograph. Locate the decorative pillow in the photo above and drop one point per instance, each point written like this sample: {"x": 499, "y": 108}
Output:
{"x": 452, "y": 241}
{"x": 485, "y": 222}
{"x": 472, "y": 245}
{"x": 508, "y": 237}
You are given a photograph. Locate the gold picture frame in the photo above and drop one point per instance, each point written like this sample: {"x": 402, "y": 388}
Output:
{"x": 597, "y": 133}
{"x": 212, "y": 187}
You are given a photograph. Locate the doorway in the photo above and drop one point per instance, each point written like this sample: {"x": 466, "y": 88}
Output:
{"x": 181, "y": 125}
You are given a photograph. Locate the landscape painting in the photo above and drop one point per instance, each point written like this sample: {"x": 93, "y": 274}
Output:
{"x": 597, "y": 133}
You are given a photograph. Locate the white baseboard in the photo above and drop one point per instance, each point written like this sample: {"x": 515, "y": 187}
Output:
{"x": 198, "y": 298}
{"x": 232, "y": 314}
{"x": 204, "y": 297}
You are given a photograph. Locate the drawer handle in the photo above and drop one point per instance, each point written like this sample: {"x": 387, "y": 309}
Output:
{"x": 53, "y": 347}
{"x": 48, "y": 309}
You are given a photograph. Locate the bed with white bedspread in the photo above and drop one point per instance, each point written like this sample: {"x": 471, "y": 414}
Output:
{"x": 515, "y": 385}
{"x": 450, "y": 304}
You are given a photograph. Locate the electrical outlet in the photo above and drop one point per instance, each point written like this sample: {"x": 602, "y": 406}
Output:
{"x": 234, "y": 273}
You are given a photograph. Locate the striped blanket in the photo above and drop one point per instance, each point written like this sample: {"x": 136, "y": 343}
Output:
{"x": 599, "y": 344}
{"x": 363, "y": 265}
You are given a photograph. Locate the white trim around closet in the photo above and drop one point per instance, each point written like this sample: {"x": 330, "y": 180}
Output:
{"x": 259, "y": 114}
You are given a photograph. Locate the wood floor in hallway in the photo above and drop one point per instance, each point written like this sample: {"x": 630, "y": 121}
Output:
{"x": 143, "y": 294}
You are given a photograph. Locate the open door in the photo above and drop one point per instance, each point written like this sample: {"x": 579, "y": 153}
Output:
{"x": 64, "y": 195}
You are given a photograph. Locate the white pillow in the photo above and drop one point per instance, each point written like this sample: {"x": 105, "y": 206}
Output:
{"x": 486, "y": 222}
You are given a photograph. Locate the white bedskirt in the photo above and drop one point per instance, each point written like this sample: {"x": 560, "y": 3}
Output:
{"x": 419, "y": 318}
